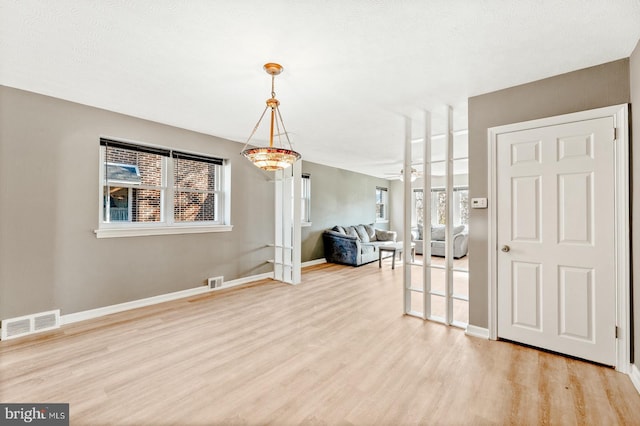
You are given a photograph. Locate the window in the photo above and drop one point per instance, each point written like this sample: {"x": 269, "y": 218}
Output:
{"x": 305, "y": 212}
{"x": 196, "y": 188}
{"x": 418, "y": 205}
{"x": 460, "y": 206}
{"x": 150, "y": 188}
{"x": 123, "y": 178}
{"x": 438, "y": 206}
{"x": 382, "y": 198}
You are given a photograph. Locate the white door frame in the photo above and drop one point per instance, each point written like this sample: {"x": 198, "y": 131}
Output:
{"x": 622, "y": 237}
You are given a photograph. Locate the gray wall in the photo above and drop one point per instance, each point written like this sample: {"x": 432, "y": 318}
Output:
{"x": 595, "y": 87}
{"x": 338, "y": 197}
{"x": 634, "y": 74}
{"x": 49, "y": 255}
{"x": 397, "y": 207}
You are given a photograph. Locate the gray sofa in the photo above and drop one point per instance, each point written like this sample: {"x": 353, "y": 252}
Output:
{"x": 355, "y": 245}
{"x": 460, "y": 240}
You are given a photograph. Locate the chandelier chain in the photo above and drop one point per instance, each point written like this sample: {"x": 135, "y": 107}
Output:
{"x": 278, "y": 126}
{"x": 286, "y": 134}
{"x": 273, "y": 86}
{"x": 255, "y": 128}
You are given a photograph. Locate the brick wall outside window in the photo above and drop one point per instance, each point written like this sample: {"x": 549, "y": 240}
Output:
{"x": 145, "y": 203}
{"x": 194, "y": 197}
{"x": 194, "y": 187}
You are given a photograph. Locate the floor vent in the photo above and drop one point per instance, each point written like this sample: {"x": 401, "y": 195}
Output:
{"x": 215, "y": 282}
{"x": 30, "y": 324}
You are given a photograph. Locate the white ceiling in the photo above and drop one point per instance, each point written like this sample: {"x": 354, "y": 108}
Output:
{"x": 353, "y": 69}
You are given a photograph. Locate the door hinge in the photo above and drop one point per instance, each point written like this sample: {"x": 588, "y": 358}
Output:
{"x": 615, "y": 134}
{"x": 617, "y": 332}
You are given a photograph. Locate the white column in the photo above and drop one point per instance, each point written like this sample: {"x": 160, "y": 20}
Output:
{"x": 288, "y": 195}
{"x": 296, "y": 235}
{"x": 278, "y": 259}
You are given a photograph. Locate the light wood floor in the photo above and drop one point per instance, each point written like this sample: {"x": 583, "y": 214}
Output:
{"x": 334, "y": 350}
{"x": 438, "y": 280}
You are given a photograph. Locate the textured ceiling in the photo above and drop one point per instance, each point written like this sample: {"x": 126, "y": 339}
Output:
{"x": 353, "y": 69}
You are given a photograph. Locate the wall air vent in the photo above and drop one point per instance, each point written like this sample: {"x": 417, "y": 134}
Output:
{"x": 30, "y": 324}
{"x": 215, "y": 282}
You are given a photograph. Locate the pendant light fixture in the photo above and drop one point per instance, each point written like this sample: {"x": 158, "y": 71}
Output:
{"x": 272, "y": 157}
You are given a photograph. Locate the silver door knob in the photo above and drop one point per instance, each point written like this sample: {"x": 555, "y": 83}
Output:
{"x": 506, "y": 249}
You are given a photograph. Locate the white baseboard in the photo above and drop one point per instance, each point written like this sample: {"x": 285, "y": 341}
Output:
{"x": 634, "y": 374}
{"x": 474, "y": 331}
{"x": 245, "y": 280}
{"x": 314, "y": 262}
{"x": 148, "y": 301}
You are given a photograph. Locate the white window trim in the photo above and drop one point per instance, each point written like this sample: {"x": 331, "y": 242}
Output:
{"x": 159, "y": 230}
{"x": 166, "y": 226}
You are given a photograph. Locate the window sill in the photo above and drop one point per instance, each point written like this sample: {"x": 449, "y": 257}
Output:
{"x": 159, "y": 230}
{"x": 305, "y": 224}
{"x": 381, "y": 221}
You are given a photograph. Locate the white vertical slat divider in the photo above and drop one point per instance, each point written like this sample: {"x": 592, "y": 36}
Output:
{"x": 406, "y": 221}
{"x": 449, "y": 217}
{"x": 426, "y": 217}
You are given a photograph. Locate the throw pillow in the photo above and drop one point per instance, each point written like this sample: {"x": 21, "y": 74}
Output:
{"x": 351, "y": 231}
{"x": 362, "y": 233}
{"x": 382, "y": 235}
{"x": 339, "y": 229}
{"x": 371, "y": 231}
{"x": 437, "y": 233}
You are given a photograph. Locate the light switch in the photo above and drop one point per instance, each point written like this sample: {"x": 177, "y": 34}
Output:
{"x": 478, "y": 203}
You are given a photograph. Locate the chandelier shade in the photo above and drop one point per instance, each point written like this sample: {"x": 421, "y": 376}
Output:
{"x": 271, "y": 158}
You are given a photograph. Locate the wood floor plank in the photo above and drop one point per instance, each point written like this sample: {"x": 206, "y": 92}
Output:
{"x": 333, "y": 350}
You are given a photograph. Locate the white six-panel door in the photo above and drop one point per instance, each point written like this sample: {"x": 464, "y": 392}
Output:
{"x": 556, "y": 238}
